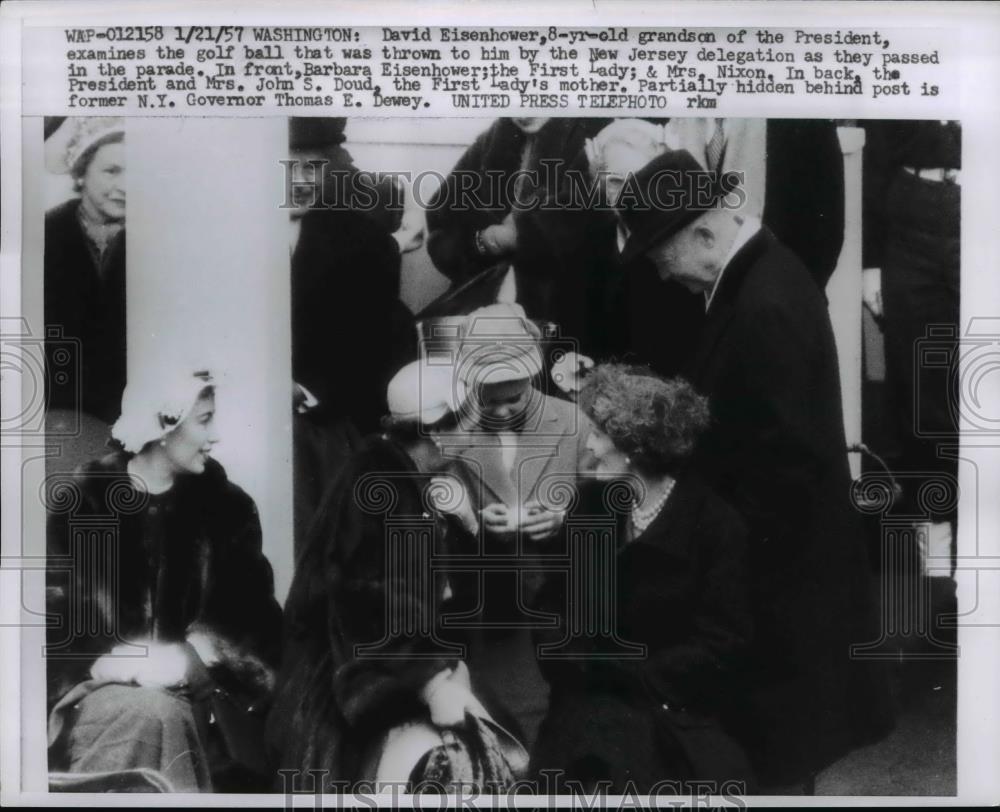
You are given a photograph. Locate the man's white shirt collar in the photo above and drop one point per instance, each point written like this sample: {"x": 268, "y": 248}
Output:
{"x": 751, "y": 225}
{"x": 621, "y": 237}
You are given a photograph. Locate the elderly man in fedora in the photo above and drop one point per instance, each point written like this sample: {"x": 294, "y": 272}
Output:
{"x": 776, "y": 451}
{"x": 523, "y": 451}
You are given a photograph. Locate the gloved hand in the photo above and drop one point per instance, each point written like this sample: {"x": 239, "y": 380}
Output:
{"x": 448, "y": 697}
{"x": 410, "y": 234}
{"x": 871, "y": 290}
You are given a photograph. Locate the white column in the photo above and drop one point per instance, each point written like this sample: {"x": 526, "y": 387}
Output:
{"x": 844, "y": 292}
{"x": 208, "y": 284}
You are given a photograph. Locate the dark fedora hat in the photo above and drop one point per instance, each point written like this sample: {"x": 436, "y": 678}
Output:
{"x": 663, "y": 197}
{"x": 315, "y": 133}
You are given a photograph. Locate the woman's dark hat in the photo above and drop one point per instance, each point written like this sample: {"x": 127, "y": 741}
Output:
{"x": 663, "y": 197}
{"x": 315, "y": 133}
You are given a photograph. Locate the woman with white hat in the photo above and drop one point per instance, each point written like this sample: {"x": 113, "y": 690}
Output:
{"x": 166, "y": 604}
{"x": 85, "y": 268}
{"x": 363, "y": 654}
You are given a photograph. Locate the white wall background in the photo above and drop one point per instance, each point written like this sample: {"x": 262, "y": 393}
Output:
{"x": 208, "y": 285}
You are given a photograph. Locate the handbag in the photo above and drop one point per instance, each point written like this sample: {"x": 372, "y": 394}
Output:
{"x": 232, "y": 726}
{"x": 481, "y": 753}
{"x": 241, "y": 730}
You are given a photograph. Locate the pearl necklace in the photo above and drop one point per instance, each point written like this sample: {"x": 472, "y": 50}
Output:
{"x": 642, "y": 519}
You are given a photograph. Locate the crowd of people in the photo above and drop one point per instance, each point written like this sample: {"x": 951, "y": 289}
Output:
{"x": 596, "y": 529}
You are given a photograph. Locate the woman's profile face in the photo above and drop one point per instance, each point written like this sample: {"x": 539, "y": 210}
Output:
{"x": 189, "y": 446}
{"x": 102, "y": 187}
{"x": 609, "y": 461}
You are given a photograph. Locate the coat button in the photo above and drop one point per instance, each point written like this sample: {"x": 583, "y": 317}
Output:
{"x": 666, "y": 706}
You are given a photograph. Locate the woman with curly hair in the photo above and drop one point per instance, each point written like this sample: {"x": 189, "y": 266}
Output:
{"x": 652, "y": 611}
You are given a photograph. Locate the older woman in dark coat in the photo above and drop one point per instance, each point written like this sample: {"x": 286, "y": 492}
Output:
{"x": 164, "y": 603}
{"x": 661, "y": 559}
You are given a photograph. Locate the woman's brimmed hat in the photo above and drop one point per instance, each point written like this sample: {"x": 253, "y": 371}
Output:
{"x": 423, "y": 393}
{"x": 155, "y": 405}
{"x": 78, "y": 137}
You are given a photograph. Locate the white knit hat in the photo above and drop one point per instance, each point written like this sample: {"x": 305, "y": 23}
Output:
{"x": 77, "y": 135}
{"x": 155, "y": 404}
{"x": 499, "y": 344}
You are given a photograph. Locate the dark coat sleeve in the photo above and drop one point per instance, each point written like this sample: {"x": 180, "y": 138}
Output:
{"x": 91, "y": 579}
{"x": 467, "y": 202}
{"x": 350, "y": 331}
{"x": 240, "y": 613}
{"x": 879, "y": 166}
{"x": 69, "y": 656}
{"x": 804, "y": 201}
{"x": 780, "y": 438}
{"x": 563, "y": 269}
{"x": 691, "y": 671}
{"x": 373, "y": 579}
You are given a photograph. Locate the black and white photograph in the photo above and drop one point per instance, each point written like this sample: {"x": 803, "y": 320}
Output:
{"x": 475, "y": 456}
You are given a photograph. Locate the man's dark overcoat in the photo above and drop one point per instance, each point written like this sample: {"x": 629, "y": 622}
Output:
{"x": 776, "y": 451}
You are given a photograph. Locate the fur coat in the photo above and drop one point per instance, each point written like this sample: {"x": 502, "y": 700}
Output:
{"x": 125, "y": 565}
{"x": 360, "y": 620}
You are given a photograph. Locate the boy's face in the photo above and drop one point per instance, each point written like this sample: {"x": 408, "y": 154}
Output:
{"x": 503, "y": 405}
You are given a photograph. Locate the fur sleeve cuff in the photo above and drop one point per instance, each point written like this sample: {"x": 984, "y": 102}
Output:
{"x": 216, "y": 650}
